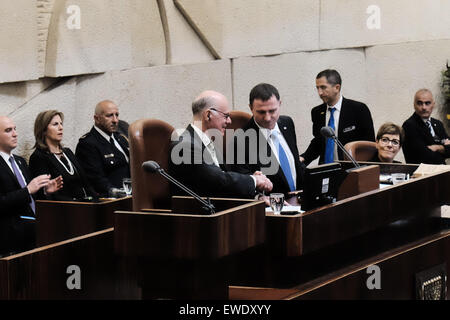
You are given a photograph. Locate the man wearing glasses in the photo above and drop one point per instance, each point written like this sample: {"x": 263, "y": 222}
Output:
{"x": 196, "y": 158}
{"x": 389, "y": 141}
{"x": 425, "y": 138}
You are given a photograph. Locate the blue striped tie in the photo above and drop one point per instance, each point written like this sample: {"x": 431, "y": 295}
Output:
{"x": 329, "y": 148}
{"x": 284, "y": 162}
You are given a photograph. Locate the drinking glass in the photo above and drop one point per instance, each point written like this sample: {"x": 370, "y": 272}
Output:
{"x": 276, "y": 202}
{"x": 127, "y": 185}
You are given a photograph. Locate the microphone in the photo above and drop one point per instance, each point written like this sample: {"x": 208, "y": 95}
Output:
{"x": 328, "y": 132}
{"x": 153, "y": 167}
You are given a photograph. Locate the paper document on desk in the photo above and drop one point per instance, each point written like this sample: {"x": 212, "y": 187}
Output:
{"x": 427, "y": 169}
{"x": 287, "y": 209}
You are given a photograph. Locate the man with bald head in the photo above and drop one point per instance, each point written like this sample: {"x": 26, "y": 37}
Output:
{"x": 196, "y": 160}
{"x": 425, "y": 138}
{"x": 16, "y": 193}
{"x": 103, "y": 152}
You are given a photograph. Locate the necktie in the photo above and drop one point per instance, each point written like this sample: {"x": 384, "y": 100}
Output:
{"x": 329, "y": 148}
{"x": 428, "y": 123}
{"x": 284, "y": 162}
{"x": 21, "y": 182}
{"x": 120, "y": 153}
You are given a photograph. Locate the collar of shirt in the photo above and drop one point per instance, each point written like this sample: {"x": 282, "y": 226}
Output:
{"x": 268, "y": 132}
{"x": 338, "y": 104}
{"x": 6, "y": 157}
{"x": 205, "y": 139}
{"x": 103, "y": 133}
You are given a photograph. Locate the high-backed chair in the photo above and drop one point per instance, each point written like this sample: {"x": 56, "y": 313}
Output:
{"x": 361, "y": 150}
{"x": 149, "y": 140}
{"x": 238, "y": 120}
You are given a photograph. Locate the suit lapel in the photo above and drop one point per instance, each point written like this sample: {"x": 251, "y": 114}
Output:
{"x": 6, "y": 168}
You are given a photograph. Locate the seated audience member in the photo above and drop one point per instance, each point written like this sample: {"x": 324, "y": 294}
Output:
{"x": 389, "y": 141}
{"x": 195, "y": 158}
{"x": 17, "y": 228}
{"x": 50, "y": 157}
{"x": 425, "y": 138}
{"x": 103, "y": 152}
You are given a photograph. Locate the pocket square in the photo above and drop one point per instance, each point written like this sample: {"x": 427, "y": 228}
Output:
{"x": 348, "y": 129}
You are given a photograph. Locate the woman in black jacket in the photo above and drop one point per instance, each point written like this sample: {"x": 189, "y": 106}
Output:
{"x": 50, "y": 157}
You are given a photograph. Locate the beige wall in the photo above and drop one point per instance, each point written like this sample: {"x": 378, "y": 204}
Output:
{"x": 154, "y": 56}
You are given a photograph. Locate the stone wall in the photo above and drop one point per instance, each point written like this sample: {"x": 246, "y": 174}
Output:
{"x": 154, "y": 56}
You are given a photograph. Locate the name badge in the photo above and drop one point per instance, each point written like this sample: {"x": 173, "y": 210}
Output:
{"x": 111, "y": 155}
{"x": 348, "y": 129}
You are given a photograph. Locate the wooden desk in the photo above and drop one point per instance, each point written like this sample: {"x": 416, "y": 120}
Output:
{"x": 61, "y": 220}
{"x": 305, "y": 247}
{"x": 41, "y": 273}
{"x": 187, "y": 255}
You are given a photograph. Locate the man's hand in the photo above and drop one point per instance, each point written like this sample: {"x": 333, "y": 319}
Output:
{"x": 437, "y": 148}
{"x": 446, "y": 142}
{"x": 262, "y": 182}
{"x": 37, "y": 183}
{"x": 54, "y": 185}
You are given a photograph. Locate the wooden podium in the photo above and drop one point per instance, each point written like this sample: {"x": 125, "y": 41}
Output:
{"x": 184, "y": 253}
{"x": 61, "y": 220}
{"x": 398, "y": 223}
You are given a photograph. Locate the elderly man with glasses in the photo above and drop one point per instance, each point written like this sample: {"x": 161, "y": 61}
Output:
{"x": 196, "y": 157}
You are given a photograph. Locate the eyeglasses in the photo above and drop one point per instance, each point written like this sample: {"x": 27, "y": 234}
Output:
{"x": 226, "y": 115}
{"x": 386, "y": 141}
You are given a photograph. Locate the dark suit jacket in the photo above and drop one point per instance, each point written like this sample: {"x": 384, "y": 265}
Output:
{"x": 104, "y": 165}
{"x": 74, "y": 186}
{"x": 355, "y": 123}
{"x": 272, "y": 169}
{"x": 418, "y": 137}
{"x": 16, "y": 234}
{"x": 205, "y": 178}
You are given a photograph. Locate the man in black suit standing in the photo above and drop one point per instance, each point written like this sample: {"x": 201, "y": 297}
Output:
{"x": 351, "y": 120}
{"x": 196, "y": 161}
{"x": 425, "y": 138}
{"x": 102, "y": 152}
{"x": 273, "y": 150}
{"x": 17, "y": 229}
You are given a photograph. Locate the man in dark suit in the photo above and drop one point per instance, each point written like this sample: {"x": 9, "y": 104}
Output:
{"x": 351, "y": 120}
{"x": 196, "y": 161}
{"x": 103, "y": 153}
{"x": 273, "y": 150}
{"x": 17, "y": 205}
{"x": 425, "y": 138}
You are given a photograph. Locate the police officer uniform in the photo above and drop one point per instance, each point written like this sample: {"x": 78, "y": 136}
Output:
{"x": 104, "y": 158}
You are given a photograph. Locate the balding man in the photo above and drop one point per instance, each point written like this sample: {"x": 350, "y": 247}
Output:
{"x": 425, "y": 138}
{"x": 196, "y": 158}
{"x": 103, "y": 153}
{"x": 16, "y": 193}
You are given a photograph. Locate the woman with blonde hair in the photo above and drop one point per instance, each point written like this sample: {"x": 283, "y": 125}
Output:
{"x": 50, "y": 157}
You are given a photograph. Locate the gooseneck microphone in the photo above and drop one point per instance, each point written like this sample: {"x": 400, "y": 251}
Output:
{"x": 328, "y": 132}
{"x": 153, "y": 167}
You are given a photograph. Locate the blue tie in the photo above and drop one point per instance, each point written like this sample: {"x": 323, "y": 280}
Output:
{"x": 284, "y": 162}
{"x": 329, "y": 148}
{"x": 21, "y": 182}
